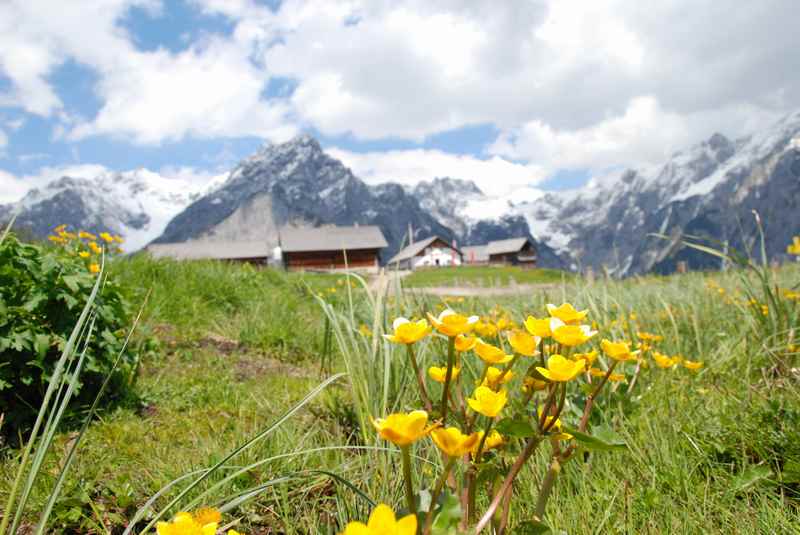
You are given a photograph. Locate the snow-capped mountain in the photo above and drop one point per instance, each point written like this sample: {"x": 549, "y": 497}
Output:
{"x": 136, "y": 204}
{"x": 709, "y": 190}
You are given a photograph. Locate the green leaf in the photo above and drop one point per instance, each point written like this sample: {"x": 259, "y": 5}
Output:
{"x": 41, "y": 343}
{"x": 602, "y": 439}
{"x": 751, "y": 476}
{"x": 448, "y": 515}
{"x": 515, "y": 427}
{"x": 72, "y": 282}
{"x": 532, "y": 527}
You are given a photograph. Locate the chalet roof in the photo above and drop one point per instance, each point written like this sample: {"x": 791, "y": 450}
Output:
{"x": 475, "y": 253}
{"x": 214, "y": 250}
{"x": 330, "y": 238}
{"x": 512, "y": 245}
{"x": 417, "y": 247}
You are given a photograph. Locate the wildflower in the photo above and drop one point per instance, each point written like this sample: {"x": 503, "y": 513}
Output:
{"x": 566, "y": 313}
{"x": 56, "y": 239}
{"x": 597, "y": 372}
{"x": 408, "y": 332}
{"x": 60, "y": 228}
{"x": 106, "y": 237}
{"x": 491, "y": 354}
{"x": 451, "y": 324}
{"x": 616, "y": 377}
{"x": 538, "y": 327}
{"x": 649, "y": 337}
{"x": 438, "y": 373}
{"x": 453, "y": 442}
{"x": 494, "y": 440}
{"x": 560, "y": 369}
{"x": 487, "y": 329}
{"x": 589, "y": 357}
{"x": 84, "y": 254}
{"x": 548, "y": 423}
{"x": 532, "y": 383}
{"x": 493, "y": 377}
{"x": 96, "y": 249}
{"x": 207, "y": 515}
{"x": 465, "y": 342}
{"x": 571, "y": 335}
{"x": 523, "y": 343}
{"x": 86, "y": 235}
{"x": 403, "y": 429}
{"x": 692, "y": 365}
{"x": 664, "y": 361}
{"x": 486, "y": 401}
{"x": 794, "y": 248}
{"x": 620, "y": 351}
{"x": 364, "y": 330}
{"x": 382, "y": 521}
{"x": 504, "y": 323}
{"x": 186, "y": 524}
{"x": 94, "y": 268}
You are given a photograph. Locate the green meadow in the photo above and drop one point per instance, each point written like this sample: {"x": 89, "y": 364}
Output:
{"x": 226, "y": 350}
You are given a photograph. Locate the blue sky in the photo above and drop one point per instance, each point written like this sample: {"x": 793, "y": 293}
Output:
{"x": 521, "y": 94}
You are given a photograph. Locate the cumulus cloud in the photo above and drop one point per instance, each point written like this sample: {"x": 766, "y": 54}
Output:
{"x": 495, "y": 176}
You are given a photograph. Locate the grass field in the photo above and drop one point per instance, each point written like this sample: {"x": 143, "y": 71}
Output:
{"x": 485, "y": 276}
{"x": 713, "y": 451}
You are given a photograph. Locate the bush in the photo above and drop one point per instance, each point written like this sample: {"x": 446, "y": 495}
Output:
{"x": 43, "y": 290}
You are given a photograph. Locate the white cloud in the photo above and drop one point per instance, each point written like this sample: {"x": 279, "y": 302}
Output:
{"x": 495, "y": 176}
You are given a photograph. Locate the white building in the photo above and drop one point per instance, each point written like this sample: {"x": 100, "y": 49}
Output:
{"x": 430, "y": 252}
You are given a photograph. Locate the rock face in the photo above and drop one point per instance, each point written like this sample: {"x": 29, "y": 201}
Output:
{"x": 709, "y": 191}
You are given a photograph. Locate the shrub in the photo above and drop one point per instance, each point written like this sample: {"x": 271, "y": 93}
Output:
{"x": 43, "y": 290}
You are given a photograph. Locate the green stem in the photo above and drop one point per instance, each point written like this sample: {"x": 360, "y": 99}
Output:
{"x": 423, "y": 391}
{"x": 547, "y": 487}
{"x": 436, "y": 492}
{"x": 410, "y": 502}
{"x": 451, "y": 348}
{"x": 476, "y": 461}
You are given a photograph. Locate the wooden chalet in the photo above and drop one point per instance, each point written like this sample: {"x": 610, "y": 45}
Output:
{"x": 254, "y": 252}
{"x": 513, "y": 251}
{"x": 331, "y": 248}
{"x": 428, "y": 253}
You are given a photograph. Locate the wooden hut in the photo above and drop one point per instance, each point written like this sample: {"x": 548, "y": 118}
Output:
{"x": 331, "y": 248}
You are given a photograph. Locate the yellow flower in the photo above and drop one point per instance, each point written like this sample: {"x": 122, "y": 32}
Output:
{"x": 492, "y": 379}
{"x": 465, "y": 342}
{"x": 106, "y": 237}
{"x": 566, "y": 313}
{"x": 663, "y": 361}
{"x": 207, "y": 515}
{"x": 494, "y": 440}
{"x": 548, "y": 422}
{"x": 560, "y": 369}
{"x": 186, "y": 524}
{"x": 523, "y": 343}
{"x": 535, "y": 384}
{"x": 86, "y": 235}
{"x": 94, "y": 268}
{"x": 403, "y": 429}
{"x": 364, "y": 330}
{"x": 486, "y": 401}
{"x": 491, "y": 354}
{"x": 453, "y": 442}
{"x": 649, "y": 337}
{"x": 451, "y": 324}
{"x": 84, "y": 254}
{"x": 538, "y": 327}
{"x": 692, "y": 365}
{"x": 56, "y": 239}
{"x": 382, "y": 521}
{"x": 616, "y": 377}
{"x": 597, "y": 372}
{"x": 589, "y": 357}
{"x": 60, "y": 228}
{"x": 438, "y": 374}
{"x": 504, "y": 324}
{"x": 618, "y": 350}
{"x": 408, "y": 332}
{"x": 96, "y": 249}
{"x": 571, "y": 335}
{"x": 794, "y": 248}
{"x": 486, "y": 329}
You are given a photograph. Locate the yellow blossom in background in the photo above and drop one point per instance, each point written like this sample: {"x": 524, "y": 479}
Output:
{"x": 566, "y": 313}
{"x": 56, "y": 239}
{"x": 532, "y": 383}
{"x": 186, "y": 524}
{"x": 118, "y": 238}
{"x": 487, "y": 329}
{"x": 664, "y": 361}
{"x": 491, "y": 354}
{"x": 364, "y": 330}
{"x": 616, "y": 377}
{"x": 96, "y": 249}
{"x": 648, "y": 337}
{"x": 382, "y": 521}
{"x": 408, "y": 332}
{"x": 106, "y": 237}
{"x": 504, "y": 323}
{"x": 94, "y": 268}
{"x": 571, "y": 335}
{"x": 453, "y": 442}
{"x": 207, "y": 515}
{"x": 597, "y": 372}
{"x": 794, "y": 247}
{"x": 86, "y": 235}
{"x": 486, "y": 401}
{"x": 60, "y": 228}
{"x": 438, "y": 373}
{"x": 493, "y": 380}
{"x": 538, "y": 327}
{"x": 465, "y": 342}
{"x": 84, "y": 254}
{"x": 589, "y": 357}
{"x": 451, "y": 324}
{"x": 494, "y": 440}
{"x": 403, "y": 429}
{"x": 620, "y": 351}
{"x": 692, "y": 365}
{"x": 560, "y": 369}
{"x": 523, "y": 343}
{"x": 548, "y": 422}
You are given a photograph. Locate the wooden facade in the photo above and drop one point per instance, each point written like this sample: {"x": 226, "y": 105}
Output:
{"x": 524, "y": 257}
{"x": 359, "y": 259}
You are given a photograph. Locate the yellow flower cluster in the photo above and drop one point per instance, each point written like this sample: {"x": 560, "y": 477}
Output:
{"x": 794, "y": 247}
{"x": 85, "y": 244}
{"x": 202, "y": 522}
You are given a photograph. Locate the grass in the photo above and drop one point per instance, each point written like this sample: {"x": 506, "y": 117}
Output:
{"x": 711, "y": 452}
{"x": 485, "y": 276}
